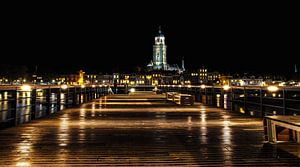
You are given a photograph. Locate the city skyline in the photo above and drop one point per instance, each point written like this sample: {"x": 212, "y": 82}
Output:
{"x": 247, "y": 42}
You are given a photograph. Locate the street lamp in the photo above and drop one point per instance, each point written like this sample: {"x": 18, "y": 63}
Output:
{"x": 26, "y": 88}
{"x": 272, "y": 88}
{"x": 64, "y": 86}
{"x": 226, "y": 87}
{"x": 202, "y": 86}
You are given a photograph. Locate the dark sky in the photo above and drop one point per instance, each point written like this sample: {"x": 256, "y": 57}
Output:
{"x": 120, "y": 36}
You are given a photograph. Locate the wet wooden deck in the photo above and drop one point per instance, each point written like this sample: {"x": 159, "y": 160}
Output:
{"x": 140, "y": 130}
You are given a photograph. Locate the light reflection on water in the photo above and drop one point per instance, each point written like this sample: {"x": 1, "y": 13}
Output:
{"x": 225, "y": 101}
{"x": 63, "y": 131}
{"x": 218, "y": 96}
{"x": 82, "y": 123}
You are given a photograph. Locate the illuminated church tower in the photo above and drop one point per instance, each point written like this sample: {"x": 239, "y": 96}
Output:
{"x": 159, "y": 60}
{"x": 159, "y": 52}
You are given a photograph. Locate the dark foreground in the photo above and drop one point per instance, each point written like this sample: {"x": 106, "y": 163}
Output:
{"x": 140, "y": 130}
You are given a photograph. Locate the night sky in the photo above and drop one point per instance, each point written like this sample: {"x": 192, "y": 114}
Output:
{"x": 120, "y": 38}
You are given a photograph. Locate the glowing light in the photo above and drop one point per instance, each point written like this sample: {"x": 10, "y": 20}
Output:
{"x": 202, "y": 86}
{"x": 189, "y": 86}
{"x": 282, "y": 84}
{"x": 93, "y": 86}
{"x": 82, "y": 86}
{"x": 23, "y": 163}
{"x": 64, "y": 86}
{"x": 131, "y": 90}
{"x": 26, "y": 88}
{"x": 272, "y": 88}
{"x": 242, "y": 110}
{"x": 226, "y": 87}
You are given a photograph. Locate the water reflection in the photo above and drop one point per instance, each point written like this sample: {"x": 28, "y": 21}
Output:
{"x": 24, "y": 150}
{"x": 23, "y": 105}
{"x": 218, "y": 96}
{"x": 203, "y": 128}
{"x": 93, "y": 110}
{"x": 82, "y": 123}
{"x": 225, "y": 101}
{"x": 4, "y": 107}
{"x": 226, "y": 140}
{"x": 63, "y": 133}
{"x": 62, "y": 101}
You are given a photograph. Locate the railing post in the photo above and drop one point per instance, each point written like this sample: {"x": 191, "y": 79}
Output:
{"x": 206, "y": 100}
{"x": 232, "y": 100}
{"x": 58, "y": 99}
{"x": 14, "y": 110}
{"x": 213, "y": 96}
{"x": 74, "y": 96}
{"x": 222, "y": 98}
{"x": 33, "y": 104}
{"x": 67, "y": 97}
{"x": 283, "y": 102}
{"x": 85, "y": 95}
{"x": 48, "y": 104}
{"x": 261, "y": 102}
{"x": 245, "y": 100}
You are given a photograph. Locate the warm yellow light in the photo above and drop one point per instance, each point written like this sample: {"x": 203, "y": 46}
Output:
{"x": 189, "y": 86}
{"x": 93, "y": 86}
{"x": 202, "y": 86}
{"x": 242, "y": 110}
{"x": 26, "y": 88}
{"x": 82, "y": 86}
{"x": 131, "y": 90}
{"x": 23, "y": 164}
{"x": 226, "y": 87}
{"x": 272, "y": 88}
{"x": 64, "y": 86}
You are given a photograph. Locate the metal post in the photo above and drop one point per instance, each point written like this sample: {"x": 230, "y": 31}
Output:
{"x": 245, "y": 100}
{"x": 14, "y": 109}
{"x": 33, "y": 104}
{"x": 261, "y": 102}
{"x": 283, "y": 102}
{"x": 48, "y": 94}
{"x": 206, "y": 100}
{"x": 232, "y": 100}
{"x": 85, "y": 95}
{"x": 67, "y": 97}
{"x": 213, "y": 96}
{"x": 74, "y": 96}
{"x": 58, "y": 99}
{"x": 222, "y": 98}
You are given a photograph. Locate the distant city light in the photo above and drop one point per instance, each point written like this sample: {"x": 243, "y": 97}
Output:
{"x": 226, "y": 87}
{"x": 93, "y": 86}
{"x": 82, "y": 86}
{"x": 131, "y": 90}
{"x": 26, "y": 88}
{"x": 64, "y": 86}
{"x": 272, "y": 88}
{"x": 202, "y": 86}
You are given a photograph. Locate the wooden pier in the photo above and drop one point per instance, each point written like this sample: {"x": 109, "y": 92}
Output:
{"x": 140, "y": 129}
